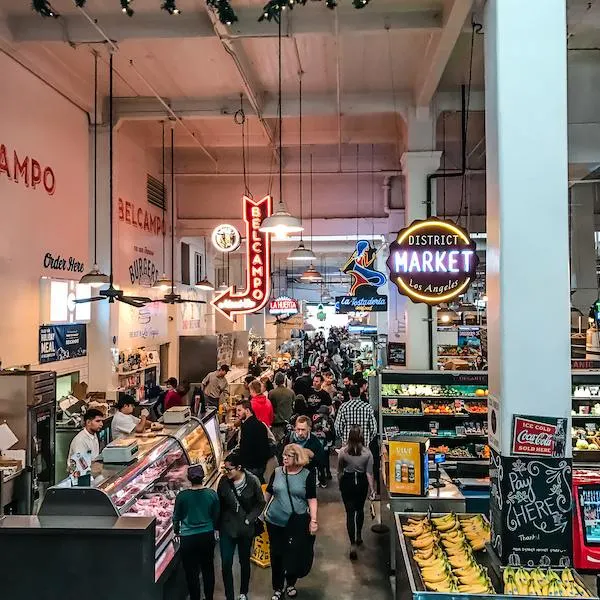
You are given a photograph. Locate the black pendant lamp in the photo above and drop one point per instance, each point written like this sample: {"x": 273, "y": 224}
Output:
{"x": 95, "y": 277}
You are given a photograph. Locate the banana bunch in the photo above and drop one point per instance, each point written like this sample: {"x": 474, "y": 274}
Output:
{"x": 542, "y": 583}
{"x": 417, "y": 527}
{"x": 476, "y": 530}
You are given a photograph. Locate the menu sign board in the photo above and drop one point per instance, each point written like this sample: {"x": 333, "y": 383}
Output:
{"x": 432, "y": 261}
{"x": 397, "y": 354}
{"x": 539, "y": 436}
{"x": 530, "y": 502}
{"x": 283, "y": 305}
{"x": 62, "y": 342}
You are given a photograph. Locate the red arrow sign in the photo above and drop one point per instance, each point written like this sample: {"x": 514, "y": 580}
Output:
{"x": 258, "y": 270}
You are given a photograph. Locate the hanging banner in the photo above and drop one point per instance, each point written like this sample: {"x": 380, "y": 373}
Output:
{"x": 258, "y": 270}
{"x": 366, "y": 279}
{"x": 62, "y": 342}
{"x": 432, "y": 261}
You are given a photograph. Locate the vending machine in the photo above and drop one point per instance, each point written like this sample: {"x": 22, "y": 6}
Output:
{"x": 586, "y": 520}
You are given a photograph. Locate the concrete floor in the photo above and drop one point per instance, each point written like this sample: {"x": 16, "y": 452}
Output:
{"x": 334, "y": 575}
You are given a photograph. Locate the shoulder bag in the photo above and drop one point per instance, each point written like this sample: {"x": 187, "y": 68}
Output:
{"x": 258, "y": 526}
{"x": 299, "y": 557}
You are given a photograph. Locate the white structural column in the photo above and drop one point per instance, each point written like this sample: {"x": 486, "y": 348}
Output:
{"x": 583, "y": 246}
{"x": 527, "y": 273}
{"x": 416, "y": 166}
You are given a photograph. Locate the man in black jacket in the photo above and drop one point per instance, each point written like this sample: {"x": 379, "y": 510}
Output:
{"x": 254, "y": 440}
{"x": 303, "y": 385}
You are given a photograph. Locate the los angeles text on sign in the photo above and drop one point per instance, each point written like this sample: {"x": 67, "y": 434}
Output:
{"x": 432, "y": 261}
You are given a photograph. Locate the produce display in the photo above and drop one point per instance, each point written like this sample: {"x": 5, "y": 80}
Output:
{"x": 476, "y": 408}
{"x": 402, "y": 410}
{"x": 585, "y": 439}
{"x": 538, "y": 582}
{"x": 438, "y": 408}
{"x": 415, "y": 390}
{"x": 444, "y": 549}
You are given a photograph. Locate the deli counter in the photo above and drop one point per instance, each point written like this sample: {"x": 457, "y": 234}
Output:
{"x": 109, "y": 512}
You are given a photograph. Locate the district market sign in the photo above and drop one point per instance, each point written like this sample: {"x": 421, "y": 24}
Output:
{"x": 283, "y": 305}
{"x": 432, "y": 261}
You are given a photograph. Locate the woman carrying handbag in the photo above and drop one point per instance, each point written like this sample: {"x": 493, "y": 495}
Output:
{"x": 291, "y": 518}
{"x": 241, "y": 498}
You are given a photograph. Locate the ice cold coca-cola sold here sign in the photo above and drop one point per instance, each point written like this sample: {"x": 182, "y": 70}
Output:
{"x": 538, "y": 436}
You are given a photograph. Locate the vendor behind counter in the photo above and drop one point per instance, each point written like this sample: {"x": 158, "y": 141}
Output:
{"x": 124, "y": 422}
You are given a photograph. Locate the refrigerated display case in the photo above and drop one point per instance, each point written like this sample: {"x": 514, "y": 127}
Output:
{"x": 586, "y": 519}
{"x": 147, "y": 488}
{"x": 585, "y": 418}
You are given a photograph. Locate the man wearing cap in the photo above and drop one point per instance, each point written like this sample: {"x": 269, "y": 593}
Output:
{"x": 215, "y": 387}
{"x": 124, "y": 423}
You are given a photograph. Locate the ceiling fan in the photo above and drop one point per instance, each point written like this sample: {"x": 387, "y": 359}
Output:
{"x": 111, "y": 293}
{"x": 172, "y": 297}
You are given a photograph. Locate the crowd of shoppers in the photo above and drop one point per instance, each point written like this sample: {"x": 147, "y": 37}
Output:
{"x": 295, "y": 420}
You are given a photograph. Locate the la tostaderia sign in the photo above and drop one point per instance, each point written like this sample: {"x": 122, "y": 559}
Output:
{"x": 432, "y": 261}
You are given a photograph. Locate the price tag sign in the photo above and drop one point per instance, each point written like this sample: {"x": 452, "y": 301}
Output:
{"x": 261, "y": 550}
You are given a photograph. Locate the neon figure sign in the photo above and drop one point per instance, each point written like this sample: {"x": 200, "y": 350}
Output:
{"x": 432, "y": 261}
{"x": 258, "y": 270}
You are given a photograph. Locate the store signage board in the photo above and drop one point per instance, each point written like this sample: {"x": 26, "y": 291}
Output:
{"x": 539, "y": 436}
{"x": 258, "y": 266}
{"x": 366, "y": 279}
{"x": 396, "y": 354}
{"x": 283, "y": 306}
{"x": 55, "y": 262}
{"x": 432, "y": 261}
{"x": 530, "y": 502}
{"x": 140, "y": 218}
{"x": 26, "y": 171}
{"x": 584, "y": 364}
{"x": 226, "y": 238}
{"x": 143, "y": 272}
{"x": 62, "y": 342}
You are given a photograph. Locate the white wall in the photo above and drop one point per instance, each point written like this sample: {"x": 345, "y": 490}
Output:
{"x": 39, "y": 124}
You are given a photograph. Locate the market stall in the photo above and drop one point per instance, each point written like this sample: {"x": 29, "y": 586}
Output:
{"x": 133, "y": 500}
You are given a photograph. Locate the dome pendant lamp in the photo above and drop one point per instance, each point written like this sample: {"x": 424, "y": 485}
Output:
{"x": 95, "y": 277}
{"x": 281, "y": 222}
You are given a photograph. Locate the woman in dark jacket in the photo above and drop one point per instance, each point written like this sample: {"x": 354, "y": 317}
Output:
{"x": 242, "y": 500}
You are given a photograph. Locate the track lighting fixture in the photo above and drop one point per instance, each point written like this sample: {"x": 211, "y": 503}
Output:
{"x": 44, "y": 8}
{"x": 360, "y": 3}
{"x": 224, "y": 11}
{"x": 171, "y": 7}
{"x": 80, "y": 3}
{"x": 126, "y": 8}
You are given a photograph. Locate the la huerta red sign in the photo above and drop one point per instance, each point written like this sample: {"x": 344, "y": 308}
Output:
{"x": 432, "y": 261}
{"x": 539, "y": 436}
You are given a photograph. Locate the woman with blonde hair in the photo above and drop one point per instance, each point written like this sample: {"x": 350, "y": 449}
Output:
{"x": 291, "y": 515}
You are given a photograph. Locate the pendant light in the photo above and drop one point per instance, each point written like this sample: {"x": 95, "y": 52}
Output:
{"x": 311, "y": 274}
{"x": 281, "y": 222}
{"x": 163, "y": 283}
{"x": 301, "y": 253}
{"x": 204, "y": 283}
{"x": 95, "y": 277}
{"x": 446, "y": 315}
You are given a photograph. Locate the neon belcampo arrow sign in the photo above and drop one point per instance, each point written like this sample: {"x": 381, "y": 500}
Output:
{"x": 258, "y": 270}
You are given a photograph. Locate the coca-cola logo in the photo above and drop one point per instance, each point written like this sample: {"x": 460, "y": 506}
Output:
{"x": 539, "y": 439}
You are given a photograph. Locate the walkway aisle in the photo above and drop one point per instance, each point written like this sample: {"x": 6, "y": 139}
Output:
{"x": 334, "y": 576}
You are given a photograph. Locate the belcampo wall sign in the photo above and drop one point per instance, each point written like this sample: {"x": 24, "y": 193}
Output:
{"x": 432, "y": 261}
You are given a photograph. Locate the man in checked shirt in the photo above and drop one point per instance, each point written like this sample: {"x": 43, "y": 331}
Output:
{"x": 356, "y": 412}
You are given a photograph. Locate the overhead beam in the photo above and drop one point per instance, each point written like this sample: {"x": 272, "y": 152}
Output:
{"x": 439, "y": 50}
{"x": 75, "y": 28}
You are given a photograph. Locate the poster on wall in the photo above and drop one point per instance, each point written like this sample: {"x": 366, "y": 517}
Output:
{"x": 539, "y": 436}
{"x": 62, "y": 342}
{"x": 396, "y": 354}
{"x": 530, "y": 503}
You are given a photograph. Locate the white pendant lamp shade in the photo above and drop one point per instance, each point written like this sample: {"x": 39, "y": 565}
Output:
{"x": 205, "y": 284}
{"x": 281, "y": 223}
{"x": 302, "y": 254}
{"x": 95, "y": 278}
{"x": 163, "y": 283}
{"x": 311, "y": 275}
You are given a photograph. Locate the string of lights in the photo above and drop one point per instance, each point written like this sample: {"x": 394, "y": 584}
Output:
{"x": 271, "y": 10}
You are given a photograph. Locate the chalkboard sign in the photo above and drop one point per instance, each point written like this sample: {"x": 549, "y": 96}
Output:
{"x": 397, "y": 354}
{"x": 531, "y": 505}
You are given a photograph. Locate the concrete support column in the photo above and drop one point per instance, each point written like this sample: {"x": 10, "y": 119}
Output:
{"x": 104, "y": 322}
{"x": 416, "y": 166}
{"x": 583, "y": 246}
{"x": 527, "y": 270}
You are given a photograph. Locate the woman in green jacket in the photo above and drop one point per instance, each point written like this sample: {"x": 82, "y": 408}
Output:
{"x": 195, "y": 519}
{"x": 242, "y": 501}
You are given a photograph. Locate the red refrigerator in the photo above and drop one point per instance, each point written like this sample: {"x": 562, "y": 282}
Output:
{"x": 586, "y": 519}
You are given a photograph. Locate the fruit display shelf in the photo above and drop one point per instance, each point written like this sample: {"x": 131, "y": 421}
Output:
{"x": 443, "y": 556}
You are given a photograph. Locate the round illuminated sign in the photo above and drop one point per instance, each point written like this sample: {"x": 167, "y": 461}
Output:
{"x": 226, "y": 238}
{"x": 432, "y": 261}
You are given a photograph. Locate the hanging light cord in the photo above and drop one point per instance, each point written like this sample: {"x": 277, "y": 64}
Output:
{"x": 300, "y": 141}
{"x": 240, "y": 119}
{"x": 110, "y": 161}
{"x": 311, "y": 201}
{"x": 96, "y": 157}
{"x": 357, "y": 192}
{"x": 172, "y": 209}
{"x": 373, "y": 193}
{"x": 280, "y": 117}
{"x": 164, "y": 191}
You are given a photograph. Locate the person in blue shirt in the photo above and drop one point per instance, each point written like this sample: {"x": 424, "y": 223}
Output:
{"x": 195, "y": 519}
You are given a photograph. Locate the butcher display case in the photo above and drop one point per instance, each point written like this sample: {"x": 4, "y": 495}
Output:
{"x": 147, "y": 488}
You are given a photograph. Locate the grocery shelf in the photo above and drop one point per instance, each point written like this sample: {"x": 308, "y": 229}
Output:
{"x": 586, "y": 399}
{"x": 585, "y": 417}
{"x": 468, "y": 398}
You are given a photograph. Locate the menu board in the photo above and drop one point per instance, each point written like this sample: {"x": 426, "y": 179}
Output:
{"x": 530, "y": 504}
{"x": 397, "y": 354}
